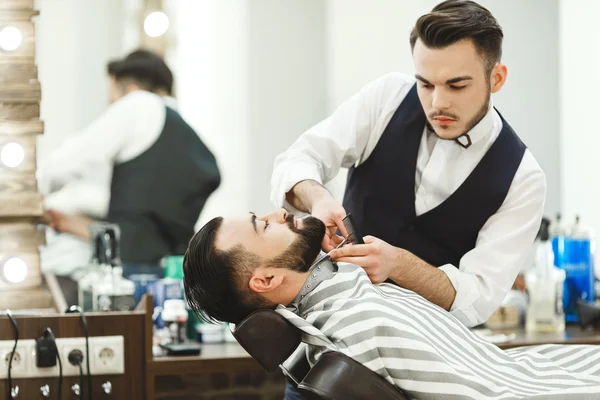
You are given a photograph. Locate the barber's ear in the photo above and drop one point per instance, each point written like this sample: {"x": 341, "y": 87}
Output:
{"x": 263, "y": 281}
{"x": 498, "y": 77}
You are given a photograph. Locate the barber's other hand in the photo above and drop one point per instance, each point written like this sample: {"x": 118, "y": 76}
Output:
{"x": 376, "y": 257}
{"x": 331, "y": 213}
{"x": 77, "y": 225}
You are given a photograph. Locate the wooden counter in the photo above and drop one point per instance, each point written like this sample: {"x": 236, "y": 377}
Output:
{"x": 572, "y": 335}
{"x": 225, "y": 357}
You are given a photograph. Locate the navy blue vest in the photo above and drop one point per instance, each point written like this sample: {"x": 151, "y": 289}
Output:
{"x": 156, "y": 198}
{"x": 380, "y": 192}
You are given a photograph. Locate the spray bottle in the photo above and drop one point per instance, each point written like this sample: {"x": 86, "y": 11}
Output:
{"x": 545, "y": 286}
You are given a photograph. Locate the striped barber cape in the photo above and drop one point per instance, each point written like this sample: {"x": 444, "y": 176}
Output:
{"x": 427, "y": 352}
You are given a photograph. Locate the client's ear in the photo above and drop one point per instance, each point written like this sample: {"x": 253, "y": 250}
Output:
{"x": 264, "y": 280}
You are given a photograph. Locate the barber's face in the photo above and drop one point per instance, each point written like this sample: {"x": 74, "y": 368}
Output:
{"x": 453, "y": 87}
{"x": 278, "y": 238}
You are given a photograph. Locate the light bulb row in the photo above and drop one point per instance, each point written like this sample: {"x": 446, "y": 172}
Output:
{"x": 10, "y": 38}
{"x": 12, "y": 155}
{"x": 14, "y": 270}
{"x": 156, "y": 24}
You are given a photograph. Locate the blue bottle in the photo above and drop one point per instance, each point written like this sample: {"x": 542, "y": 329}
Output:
{"x": 558, "y": 234}
{"x": 578, "y": 262}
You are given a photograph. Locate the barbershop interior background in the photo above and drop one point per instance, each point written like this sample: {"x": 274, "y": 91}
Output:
{"x": 252, "y": 75}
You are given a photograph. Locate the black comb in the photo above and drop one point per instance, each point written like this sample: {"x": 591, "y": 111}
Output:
{"x": 353, "y": 235}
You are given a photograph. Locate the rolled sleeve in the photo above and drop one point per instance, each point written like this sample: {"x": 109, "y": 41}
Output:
{"x": 290, "y": 176}
{"x": 467, "y": 294}
{"x": 487, "y": 272}
{"x": 340, "y": 140}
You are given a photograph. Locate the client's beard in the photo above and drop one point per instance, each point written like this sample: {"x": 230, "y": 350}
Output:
{"x": 305, "y": 249}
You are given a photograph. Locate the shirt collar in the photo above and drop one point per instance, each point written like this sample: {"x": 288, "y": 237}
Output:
{"x": 479, "y": 131}
{"x": 171, "y": 102}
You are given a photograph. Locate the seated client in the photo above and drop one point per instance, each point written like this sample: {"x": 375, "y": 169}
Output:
{"x": 235, "y": 266}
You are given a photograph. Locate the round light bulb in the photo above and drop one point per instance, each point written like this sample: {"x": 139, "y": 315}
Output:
{"x": 156, "y": 24}
{"x": 10, "y": 38}
{"x": 12, "y": 155}
{"x": 14, "y": 270}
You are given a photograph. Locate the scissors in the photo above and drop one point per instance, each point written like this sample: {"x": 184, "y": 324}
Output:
{"x": 328, "y": 255}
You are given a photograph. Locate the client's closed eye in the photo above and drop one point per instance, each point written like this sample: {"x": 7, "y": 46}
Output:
{"x": 266, "y": 225}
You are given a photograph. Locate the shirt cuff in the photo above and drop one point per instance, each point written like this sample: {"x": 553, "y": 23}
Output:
{"x": 292, "y": 176}
{"x": 467, "y": 293}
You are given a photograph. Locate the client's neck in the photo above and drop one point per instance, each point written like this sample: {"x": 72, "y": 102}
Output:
{"x": 297, "y": 280}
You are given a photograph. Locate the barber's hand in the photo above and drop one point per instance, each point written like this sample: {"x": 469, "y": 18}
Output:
{"x": 378, "y": 258}
{"x": 74, "y": 224}
{"x": 331, "y": 213}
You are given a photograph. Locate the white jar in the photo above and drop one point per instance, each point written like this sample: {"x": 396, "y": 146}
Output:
{"x": 175, "y": 317}
{"x": 211, "y": 333}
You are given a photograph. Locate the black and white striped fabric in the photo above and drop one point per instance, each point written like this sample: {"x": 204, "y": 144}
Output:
{"x": 427, "y": 352}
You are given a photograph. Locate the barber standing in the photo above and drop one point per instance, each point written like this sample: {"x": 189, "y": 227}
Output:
{"x": 162, "y": 173}
{"x": 450, "y": 195}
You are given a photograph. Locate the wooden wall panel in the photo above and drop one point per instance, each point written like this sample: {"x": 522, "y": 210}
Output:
{"x": 17, "y": 184}
{"x": 33, "y": 298}
{"x": 21, "y": 14}
{"x": 29, "y": 162}
{"x": 20, "y": 235}
{"x": 19, "y": 111}
{"x": 23, "y": 72}
{"x": 21, "y": 128}
{"x": 21, "y": 92}
{"x": 16, "y": 4}
{"x": 20, "y": 203}
{"x": 24, "y": 205}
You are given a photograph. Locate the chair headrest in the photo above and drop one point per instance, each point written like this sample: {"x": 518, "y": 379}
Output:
{"x": 268, "y": 337}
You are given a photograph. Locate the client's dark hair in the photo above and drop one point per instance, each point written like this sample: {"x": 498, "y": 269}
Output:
{"x": 213, "y": 279}
{"x": 147, "y": 69}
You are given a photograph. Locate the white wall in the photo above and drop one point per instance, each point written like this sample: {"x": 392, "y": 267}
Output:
{"x": 530, "y": 99}
{"x": 368, "y": 39}
{"x": 287, "y": 90}
{"x": 364, "y": 41}
{"x": 74, "y": 41}
{"x": 211, "y": 86}
{"x": 251, "y": 78}
{"x": 579, "y": 85}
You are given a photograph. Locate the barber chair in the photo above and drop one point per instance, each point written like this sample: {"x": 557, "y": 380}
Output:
{"x": 270, "y": 339}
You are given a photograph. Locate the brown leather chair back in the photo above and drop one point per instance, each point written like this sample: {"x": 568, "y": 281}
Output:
{"x": 338, "y": 377}
{"x": 268, "y": 337}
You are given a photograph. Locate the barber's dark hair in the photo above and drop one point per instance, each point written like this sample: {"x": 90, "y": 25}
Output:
{"x": 213, "y": 279}
{"x": 144, "y": 67}
{"x": 454, "y": 20}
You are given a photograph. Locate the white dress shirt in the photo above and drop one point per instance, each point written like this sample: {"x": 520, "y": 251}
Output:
{"x": 76, "y": 177}
{"x": 127, "y": 128}
{"x": 347, "y": 138}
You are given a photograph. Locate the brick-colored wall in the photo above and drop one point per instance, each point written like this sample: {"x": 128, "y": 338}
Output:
{"x": 257, "y": 385}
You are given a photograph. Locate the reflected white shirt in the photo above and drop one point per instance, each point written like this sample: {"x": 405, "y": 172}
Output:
{"x": 484, "y": 274}
{"x": 127, "y": 128}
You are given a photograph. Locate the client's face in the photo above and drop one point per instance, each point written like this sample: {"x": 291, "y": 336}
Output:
{"x": 277, "y": 238}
